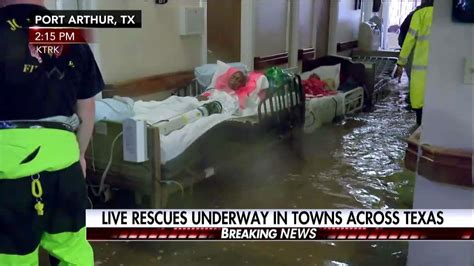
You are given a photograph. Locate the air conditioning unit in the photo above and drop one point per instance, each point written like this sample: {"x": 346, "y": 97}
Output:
{"x": 191, "y": 20}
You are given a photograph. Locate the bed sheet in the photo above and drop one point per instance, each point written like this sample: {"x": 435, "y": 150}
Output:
{"x": 178, "y": 141}
{"x": 175, "y": 143}
{"x": 322, "y": 110}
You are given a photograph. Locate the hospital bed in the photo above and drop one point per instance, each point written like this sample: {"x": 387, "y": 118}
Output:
{"x": 279, "y": 115}
{"x": 379, "y": 68}
{"x": 348, "y": 100}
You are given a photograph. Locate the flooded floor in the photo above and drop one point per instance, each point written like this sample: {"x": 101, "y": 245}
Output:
{"x": 356, "y": 163}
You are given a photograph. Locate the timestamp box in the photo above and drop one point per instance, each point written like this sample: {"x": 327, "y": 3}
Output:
{"x": 42, "y": 35}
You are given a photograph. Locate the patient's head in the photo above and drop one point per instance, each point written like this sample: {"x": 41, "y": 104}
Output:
{"x": 232, "y": 79}
{"x": 237, "y": 80}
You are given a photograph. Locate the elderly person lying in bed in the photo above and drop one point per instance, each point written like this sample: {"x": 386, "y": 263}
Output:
{"x": 237, "y": 93}
{"x": 235, "y": 83}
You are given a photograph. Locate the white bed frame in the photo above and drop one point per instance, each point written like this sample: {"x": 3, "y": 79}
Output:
{"x": 354, "y": 100}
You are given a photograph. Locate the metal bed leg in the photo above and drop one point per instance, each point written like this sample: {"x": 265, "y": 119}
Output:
{"x": 156, "y": 197}
{"x": 164, "y": 196}
{"x": 191, "y": 188}
{"x": 138, "y": 198}
{"x": 155, "y": 157}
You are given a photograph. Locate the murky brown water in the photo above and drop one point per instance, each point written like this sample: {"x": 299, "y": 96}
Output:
{"x": 356, "y": 163}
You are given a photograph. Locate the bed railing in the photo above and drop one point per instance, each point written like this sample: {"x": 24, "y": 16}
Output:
{"x": 192, "y": 89}
{"x": 283, "y": 107}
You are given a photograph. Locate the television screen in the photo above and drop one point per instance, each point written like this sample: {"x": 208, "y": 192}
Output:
{"x": 463, "y": 10}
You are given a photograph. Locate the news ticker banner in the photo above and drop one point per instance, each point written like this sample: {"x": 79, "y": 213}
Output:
{"x": 279, "y": 225}
{"x": 73, "y": 26}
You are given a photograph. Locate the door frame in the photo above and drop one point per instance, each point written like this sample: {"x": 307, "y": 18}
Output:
{"x": 204, "y": 51}
{"x": 247, "y": 33}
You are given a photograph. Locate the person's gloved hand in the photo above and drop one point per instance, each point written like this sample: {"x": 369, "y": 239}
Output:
{"x": 399, "y": 73}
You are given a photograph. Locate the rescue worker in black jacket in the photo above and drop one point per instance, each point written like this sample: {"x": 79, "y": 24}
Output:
{"x": 46, "y": 120}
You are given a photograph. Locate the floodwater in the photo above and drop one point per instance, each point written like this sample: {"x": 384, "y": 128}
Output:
{"x": 355, "y": 163}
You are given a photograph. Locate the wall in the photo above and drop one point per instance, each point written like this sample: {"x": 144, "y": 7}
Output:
{"x": 306, "y": 23}
{"x": 154, "y": 49}
{"x": 348, "y": 21}
{"x": 321, "y": 12}
{"x": 333, "y": 26}
{"x": 67, "y": 4}
{"x": 448, "y": 114}
{"x": 50, "y": 4}
{"x": 433, "y": 195}
{"x": 247, "y": 30}
{"x": 270, "y": 27}
{"x": 447, "y": 122}
{"x": 344, "y": 23}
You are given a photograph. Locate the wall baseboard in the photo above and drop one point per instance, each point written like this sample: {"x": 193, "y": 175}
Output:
{"x": 439, "y": 164}
{"x": 264, "y": 62}
{"x": 149, "y": 85}
{"x": 345, "y": 46}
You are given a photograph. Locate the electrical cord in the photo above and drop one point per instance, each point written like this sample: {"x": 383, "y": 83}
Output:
{"x": 160, "y": 121}
{"x": 90, "y": 202}
{"x": 107, "y": 168}
{"x": 93, "y": 154}
{"x": 180, "y": 186}
{"x": 335, "y": 102}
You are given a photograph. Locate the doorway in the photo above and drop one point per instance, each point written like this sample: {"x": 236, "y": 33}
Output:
{"x": 223, "y": 30}
{"x": 397, "y": 12}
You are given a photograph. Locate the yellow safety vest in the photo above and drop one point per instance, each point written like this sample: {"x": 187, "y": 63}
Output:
{"x": 418, "y": 37}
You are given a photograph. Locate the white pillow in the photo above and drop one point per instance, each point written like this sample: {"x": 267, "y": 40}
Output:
{"x": 205, "y": 72}
{"x": 325, "y": 73}
{"x": 221, "y": 69}
{"x": 254, "y": 99}
{"x": 114, "y": 109}
{"x": 262, "y": 82}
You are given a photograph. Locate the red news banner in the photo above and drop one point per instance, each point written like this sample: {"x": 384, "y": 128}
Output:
{"x": 279, "y": 225}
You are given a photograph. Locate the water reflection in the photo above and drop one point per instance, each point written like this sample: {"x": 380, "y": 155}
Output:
{"x": 335, "y": 263}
